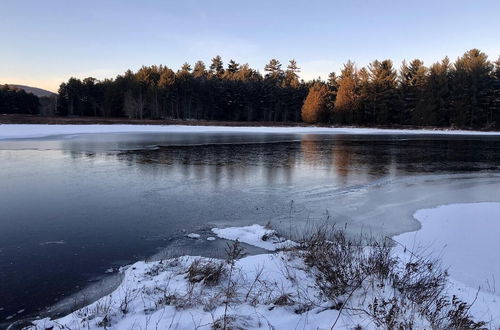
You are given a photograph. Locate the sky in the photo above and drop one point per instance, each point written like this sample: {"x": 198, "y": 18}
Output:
{"x": 45, "y": 42}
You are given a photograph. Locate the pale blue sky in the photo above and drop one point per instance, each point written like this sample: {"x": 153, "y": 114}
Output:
{"x": 46, "y": 42}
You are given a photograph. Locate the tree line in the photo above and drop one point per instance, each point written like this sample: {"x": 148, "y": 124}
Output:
{"x": 462, "y": 94}
{"x": 17, "y": 101}
{"x": 233, "y": 92}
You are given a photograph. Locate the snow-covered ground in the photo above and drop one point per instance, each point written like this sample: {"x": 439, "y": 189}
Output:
{"x": 278, "y": 290}
{"x": 465, "y": 237}
{"x": 253, "y": 235}
{"x": 154, "y": 290}
{"x": 17, "y": 131}
{"x": 160, "y": 295}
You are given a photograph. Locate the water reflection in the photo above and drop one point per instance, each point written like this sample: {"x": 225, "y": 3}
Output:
{"x": 337, "y": 159}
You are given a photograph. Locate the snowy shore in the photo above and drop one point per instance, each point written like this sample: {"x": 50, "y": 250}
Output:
{"x": 464, "y": 237}
{"x": 21, "y": 131}
{"x": 280, "y": 290}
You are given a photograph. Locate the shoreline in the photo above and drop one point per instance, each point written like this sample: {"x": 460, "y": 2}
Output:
{"x": 32, "y": 131}
{"x": 410, "y": 232}
{"x": 255, "y": 235}
{"x": 55, "y": 120}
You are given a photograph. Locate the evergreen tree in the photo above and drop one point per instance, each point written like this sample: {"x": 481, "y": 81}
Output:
{"x": 291, "y": 78}
{"x": 167, "y": 92}
{"x": 273, "y": 69}
{"x": 471, "y": 81}
{"x": 333, "y": 86}
{"x": 17, "y": 101}
{"x": 184, "y": 84}
{"x": 363, "y": 114}
{"x": 315, "y": 108}
{"x": 434, "y": 109}
{"x": 199, "y": 70}
{"x": 133, "y": 97}
{"x": 494, "y": 109}
{"x": 217, "y": 67}
{"x": 382, "y": 96}
{"x": 273, "y": 97}
{"x": 412, "y": 83}
{"x": 333, "y": 83}
{"x": 346, "y": 99}
{"x": 232, "y": 67}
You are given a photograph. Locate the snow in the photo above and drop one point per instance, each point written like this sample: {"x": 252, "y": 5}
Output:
{"x": 159, "y": 295}
{"x": 146, "y": 284}
{"x": 193, "y": 235}
{"x": 465, "y": 237}
{"x": 211, "y": 238}
{"x": 18, "y": 131}
{"x": 255, "y": 235}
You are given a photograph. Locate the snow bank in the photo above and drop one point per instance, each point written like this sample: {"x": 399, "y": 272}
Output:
{"x": 279, "y": 290}
{"x": 14, "y": 131}
{"x": 255, "y": 235}
{"x": 465, "y": 237}
{"x": 157, "y": 295}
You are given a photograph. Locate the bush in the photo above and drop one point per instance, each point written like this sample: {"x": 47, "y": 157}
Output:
{"x": 402, "y": 292}
{"x": 210, "y": 273}
{"x": 343, "y": 264}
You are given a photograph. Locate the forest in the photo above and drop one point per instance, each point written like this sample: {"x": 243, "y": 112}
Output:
{"x": 460, "y": 94}
{"x": 17, "y": 101}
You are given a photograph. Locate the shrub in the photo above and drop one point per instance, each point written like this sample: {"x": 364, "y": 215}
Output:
{"x": 210, "y": 273}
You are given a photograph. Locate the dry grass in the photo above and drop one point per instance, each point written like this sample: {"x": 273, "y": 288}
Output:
{"x": 343, "y": 266}
{"x": 360, "y": 278}
{"x": 207, "y": 272}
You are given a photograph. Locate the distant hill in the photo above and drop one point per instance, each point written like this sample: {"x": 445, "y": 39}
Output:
{"x": 34, "y": 90}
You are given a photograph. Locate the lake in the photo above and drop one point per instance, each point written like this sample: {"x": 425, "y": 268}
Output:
{"x": 75, "y": 208}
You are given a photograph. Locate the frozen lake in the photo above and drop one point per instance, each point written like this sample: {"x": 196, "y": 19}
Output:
{"x": 74, "y": 207}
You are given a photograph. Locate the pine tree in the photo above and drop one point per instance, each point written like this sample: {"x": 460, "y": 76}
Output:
{"x": 332, "y": 82}
{"x": 494, "y": 113}
{"x": 273, "y": 69}
{"x": 233, "y": 67}
{"x": 17, "y": 101}
{"x": 471, "y": 82}
{"x": 200, "y": 70}
{"x": 434, "y": 106}
{"x": 184, "y": 82}
{"x": 166, "y": 86}
{"x": 217, "y": 67}
{"x": 363, "y": 113}
{"x": 273, "y": 98}
{"x": 412, "y": 80}
{"x": 291, "y": 78}
{"x": 383, "y": 87}
{"x": 315, "y": 108}
{"x": 149, "y": 78}
{"x": 73, "y": 94}
{"x": 345, "y": 101}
